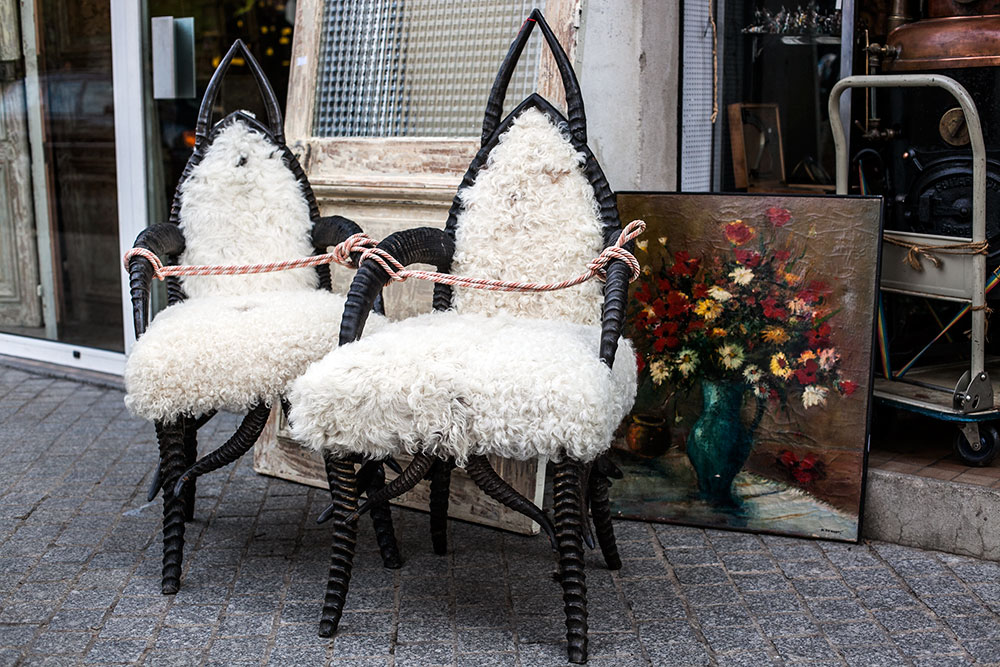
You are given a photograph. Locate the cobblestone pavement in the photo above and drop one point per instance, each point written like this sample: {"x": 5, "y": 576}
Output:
{"x": 80, "y": 560}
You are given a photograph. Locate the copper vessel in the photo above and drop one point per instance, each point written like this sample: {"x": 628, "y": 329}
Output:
{"x": 940, "y": 8}
{"x": 945, "y": 43}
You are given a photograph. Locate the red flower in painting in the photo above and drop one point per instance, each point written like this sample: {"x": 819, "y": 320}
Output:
{"x": 640, "y": 361}
{"x": 699, "y": 291}
{"x": 772, "y": 309}
{"x": 779, "y": 217}
{"x": 659, "y": 308}
{"x": 643, "y": 293}
{"x": 820, "y": 336}
{"x": 804, "y": 471}
{"x": 748, "y": 258}
{"x": 684, "y": 264}
{"x": 807, "y": 374}
{"x": 739, "y": 233}
{"x": 847, "y": 387}
{"x": 677, "y": 304}
{"x": 781, "y": 256}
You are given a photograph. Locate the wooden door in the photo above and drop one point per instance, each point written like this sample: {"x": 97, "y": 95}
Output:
{"x": 392, "y": 164}
{"x": 20, "y": 303}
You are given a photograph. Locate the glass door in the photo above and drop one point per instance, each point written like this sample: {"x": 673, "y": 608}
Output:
{"x": 59, "y": 222}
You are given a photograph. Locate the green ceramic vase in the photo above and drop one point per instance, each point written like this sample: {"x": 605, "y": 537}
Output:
{"x": 719, "y": 443}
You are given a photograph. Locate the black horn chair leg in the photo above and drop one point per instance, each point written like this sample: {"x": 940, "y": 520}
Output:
{"x": 171, "y": 440}
{"x": 190, "y": 457}
{"x": 238, "y": 445}
{"x": 487, "y": 479}
{"x": 344, "y": 493}
{"x": 440, "y": 492}
{"x": 569, "y": 533}
{"x": 408, "y": 479}
{"x": 600, "y": 511}
{"x": 382, "y": 520}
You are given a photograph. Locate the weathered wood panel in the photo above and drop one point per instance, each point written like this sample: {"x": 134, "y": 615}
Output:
{"x": 277, "y": 454}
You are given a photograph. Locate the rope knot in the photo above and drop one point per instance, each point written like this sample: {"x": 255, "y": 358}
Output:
{"x": 149, "y": 256}
{"x": 354, "y": 243}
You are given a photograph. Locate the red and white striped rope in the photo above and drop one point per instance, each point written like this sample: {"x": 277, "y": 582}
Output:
{"x": 362, "y": 242}
{"x": 596, "y": 267}
{"x": 341, "y": 255}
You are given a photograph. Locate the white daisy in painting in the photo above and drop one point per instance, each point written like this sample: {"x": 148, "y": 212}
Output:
{"x": 659, "y": 371}
{"x": 741, "y": 275}
{"x": 731, "y": 356}
{"x": 719, "y": 294}
{"x": 687, "y": 361}
{"x": 813, "y": 396}
{"x": 761, "y": 391}
{"x": 752, "y": 374}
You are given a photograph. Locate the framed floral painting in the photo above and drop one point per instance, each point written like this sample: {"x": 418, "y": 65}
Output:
{"x": 753, "y": 324}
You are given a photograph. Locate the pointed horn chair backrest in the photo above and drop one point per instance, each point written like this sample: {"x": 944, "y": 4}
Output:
{"x": 535, "y": 178}
{"x": 271, "y": 105}
{"x": 243, "y": 198}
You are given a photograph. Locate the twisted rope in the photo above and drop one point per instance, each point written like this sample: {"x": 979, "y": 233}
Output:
{"x": 368, "y": 247}
{"x": 595, "y": 268}
{"x": 341, "y": 255}
{"x": 915, "y": 252}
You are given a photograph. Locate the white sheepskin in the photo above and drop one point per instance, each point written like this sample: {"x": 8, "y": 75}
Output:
{"x": 229, "y": 352}
{"x": 242, "y": 205}
{"x": 530, "y": 215}
{"x": 455, "y": 385}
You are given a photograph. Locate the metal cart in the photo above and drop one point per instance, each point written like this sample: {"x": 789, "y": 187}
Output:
{"x": 956, "y": 392}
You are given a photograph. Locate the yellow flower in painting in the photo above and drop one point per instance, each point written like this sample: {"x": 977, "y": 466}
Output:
{"x": 708, "y": 308}
{"x": 731, "y": 356}
{"x": 716, "y": 332}
{"x": 659, "y": 371}
{"x": 806, "y": 356}
{"x": 780, "y": 367}
{"x": 647, "y": 271}
{"x": 642, "y": 245}
{"x": 662, "y": 240}
{"x": 687, "y": 361}
{"x": 792, "y": 278}
{"x": 775, "y": 335}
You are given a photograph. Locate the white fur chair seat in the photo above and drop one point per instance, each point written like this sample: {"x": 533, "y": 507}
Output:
{"x": 229, "y": 352}
{"x": 452, "y": 384}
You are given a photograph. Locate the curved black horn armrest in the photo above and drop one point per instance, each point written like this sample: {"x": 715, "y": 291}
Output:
{"x": 331, "y": 230}
{"x": 422, "y": 245}
{"x": 166, "y": 241}
{"x": 613, "y": 316}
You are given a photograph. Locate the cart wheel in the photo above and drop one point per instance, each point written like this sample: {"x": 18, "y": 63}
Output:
{"x": 989, "y": 446}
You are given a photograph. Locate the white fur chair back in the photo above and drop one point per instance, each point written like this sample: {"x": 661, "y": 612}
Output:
{"x": 242, "y": 204}
{"x": 530, "y": 215}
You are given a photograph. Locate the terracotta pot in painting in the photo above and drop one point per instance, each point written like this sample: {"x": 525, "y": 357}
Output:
{"x": 647, "y": 436}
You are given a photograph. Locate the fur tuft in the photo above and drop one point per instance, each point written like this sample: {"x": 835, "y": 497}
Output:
{"x": 242, "y": 205}
{"x": 229, "y": 352}
{"x": 530, "y": 215}
{"x": 447, "y": 384}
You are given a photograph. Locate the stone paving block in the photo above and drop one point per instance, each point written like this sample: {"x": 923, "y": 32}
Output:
{"x": 837, "y": 609}
{"x": 708, "y": 574}
{"x": 749, "y": 562}
{"x": 905, "y": 620}
{"x": 787, "y": 625}
{"x": 713, "y": 594}
{"x": 797, "y": 649}
{"x": 761, "y": 582}
{"x": 690, "y": 556}
{"x": 935, "y": 642}
{"x": 887, "y": 598}
{"x": 954, "y": 605}
{"x": 187, "y": 637}
{"x": 116, "y": 650}
{"x": 731, "y": 639}
{"x": 56, "y": 643}
{"x": 873, "y": 656}
{"x": 854, "y": 634}
{"x": 408, "y": 655}
{"x": 365, "y": 645}
{"x": 726, "y": 616}
{"x": 763, "y": 604}
{"x": 746, "y": 659}
{"x": 488, "y": 659}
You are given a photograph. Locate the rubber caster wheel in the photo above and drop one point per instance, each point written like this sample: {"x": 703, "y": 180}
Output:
{"x": 989, "y": 446}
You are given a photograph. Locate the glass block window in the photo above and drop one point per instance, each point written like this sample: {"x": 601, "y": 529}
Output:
{"x": 417, "y": 68}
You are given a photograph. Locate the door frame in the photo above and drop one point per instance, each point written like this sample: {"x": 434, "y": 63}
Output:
{"x": 128, "y": 31}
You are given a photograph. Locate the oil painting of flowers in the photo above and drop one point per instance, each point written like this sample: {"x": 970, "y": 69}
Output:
{"x": 752, "y": 324}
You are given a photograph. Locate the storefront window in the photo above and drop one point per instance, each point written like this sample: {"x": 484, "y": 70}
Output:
{"x": 60, "y": 259}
